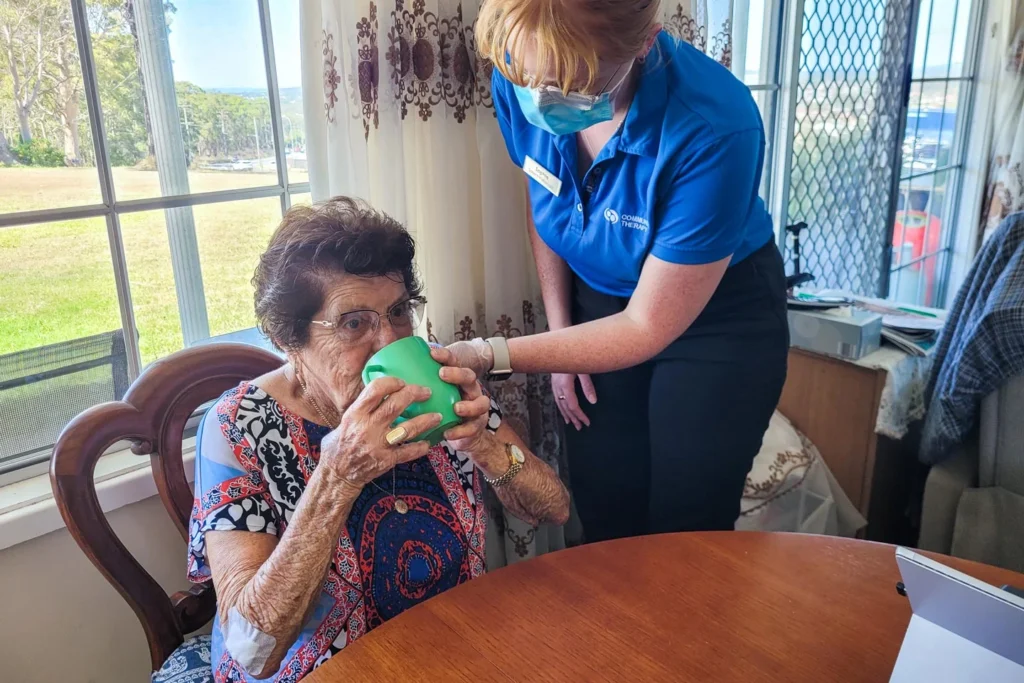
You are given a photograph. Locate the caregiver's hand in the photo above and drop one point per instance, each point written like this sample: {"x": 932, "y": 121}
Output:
{"x": 563, "y": 386}
{"x": 474, "y": 408}
{"x": 476, "y": 355}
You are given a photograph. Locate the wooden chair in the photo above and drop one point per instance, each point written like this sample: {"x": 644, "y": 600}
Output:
{"x": 152, "y": 416}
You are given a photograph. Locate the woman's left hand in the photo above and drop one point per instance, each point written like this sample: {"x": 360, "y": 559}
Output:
{"x": 474, "y": 408}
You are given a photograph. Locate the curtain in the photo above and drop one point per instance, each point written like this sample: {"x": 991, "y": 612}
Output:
{"x": 398, "y": 112}
{"x": 705, "y": 24}
{"x": 1004, "y": 192}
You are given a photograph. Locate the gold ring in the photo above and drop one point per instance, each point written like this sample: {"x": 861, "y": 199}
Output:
{"x": 396, "y": 436}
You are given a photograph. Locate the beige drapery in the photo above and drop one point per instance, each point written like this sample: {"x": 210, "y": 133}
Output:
{"x": 1004, "y": 191}
{"x": 398, "y": 112}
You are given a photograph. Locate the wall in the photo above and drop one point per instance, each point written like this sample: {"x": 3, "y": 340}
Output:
{"x": 59, "y": 618}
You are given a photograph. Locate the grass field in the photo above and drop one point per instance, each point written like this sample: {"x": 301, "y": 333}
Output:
{"x": 56, "y": 279}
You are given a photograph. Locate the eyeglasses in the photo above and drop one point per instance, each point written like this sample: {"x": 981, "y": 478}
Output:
{"x": 358, "y": 326}
{"x": 553, "y": 92}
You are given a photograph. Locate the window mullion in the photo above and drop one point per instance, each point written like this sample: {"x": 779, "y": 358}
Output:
{"x": 785, "y": 107}
{"x": 270, "y": 61}
{"x": 114, "y": 238}
{"x": 975, "y": 27}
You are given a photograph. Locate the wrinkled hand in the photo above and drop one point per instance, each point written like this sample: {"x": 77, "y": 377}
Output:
{"x": 563, "y": 386}
{"x": 477, "y": 355}
{"x": 356, "y": 451}
{"x": 474, "y": 408}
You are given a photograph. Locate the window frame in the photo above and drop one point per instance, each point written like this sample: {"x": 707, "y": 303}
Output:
{"x": 772, "y": 59}
{"x": 952, "y": 197}
{"x": 111, "y": 209}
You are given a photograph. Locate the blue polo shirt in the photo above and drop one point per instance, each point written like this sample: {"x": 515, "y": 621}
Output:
{"x": 679, "y": 180}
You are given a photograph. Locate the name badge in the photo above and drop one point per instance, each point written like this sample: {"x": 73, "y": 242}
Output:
{"x": 548, "y": 180}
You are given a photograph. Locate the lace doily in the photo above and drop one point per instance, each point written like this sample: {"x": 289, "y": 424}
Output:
{"x": 903, "y": 395}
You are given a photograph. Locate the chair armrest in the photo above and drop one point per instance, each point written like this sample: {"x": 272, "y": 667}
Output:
{"x": 942, "y": 491}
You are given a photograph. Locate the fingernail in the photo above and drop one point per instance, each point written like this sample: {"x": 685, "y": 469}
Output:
{"x": 436, "y": 418}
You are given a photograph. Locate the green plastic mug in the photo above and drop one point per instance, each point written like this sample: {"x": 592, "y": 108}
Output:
{"x": 409, "y": 359}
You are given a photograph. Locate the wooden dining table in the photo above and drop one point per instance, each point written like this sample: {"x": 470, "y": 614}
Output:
{"x": 717, "y": 606}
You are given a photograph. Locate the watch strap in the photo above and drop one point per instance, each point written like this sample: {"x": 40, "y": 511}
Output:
{"x": 502, "y": 367}
{"x": 514, "y": 468}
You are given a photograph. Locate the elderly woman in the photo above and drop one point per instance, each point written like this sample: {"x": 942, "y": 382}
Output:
{"x": 315, "y": 524}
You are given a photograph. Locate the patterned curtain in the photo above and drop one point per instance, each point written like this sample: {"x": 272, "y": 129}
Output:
{"x": 1004, "y": 193}
{"x": 398, "y": 112}
{"x": 705, "y": 24}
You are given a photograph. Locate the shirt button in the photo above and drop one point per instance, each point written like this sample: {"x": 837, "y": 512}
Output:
{"x": 579, "y": 207}
{"x": 597, "y": 172}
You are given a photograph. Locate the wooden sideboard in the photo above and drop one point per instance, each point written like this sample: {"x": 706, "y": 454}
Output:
{"x": 835, "y": 404}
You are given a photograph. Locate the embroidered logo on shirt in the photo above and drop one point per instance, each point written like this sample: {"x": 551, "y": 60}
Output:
{"x": 628, "y": 220}
{"x": 636, "y": 222}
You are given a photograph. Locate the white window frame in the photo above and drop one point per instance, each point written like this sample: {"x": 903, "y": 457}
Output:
{"x": 111, "y": 209}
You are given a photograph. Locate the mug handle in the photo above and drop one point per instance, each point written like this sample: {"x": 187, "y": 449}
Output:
{"x": 372, "y": 372}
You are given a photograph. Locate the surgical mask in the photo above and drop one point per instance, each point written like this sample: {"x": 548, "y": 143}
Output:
{"x": 560, "y": 113}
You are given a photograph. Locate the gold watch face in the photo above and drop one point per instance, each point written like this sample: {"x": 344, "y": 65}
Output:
{"x": 517, "y": 453}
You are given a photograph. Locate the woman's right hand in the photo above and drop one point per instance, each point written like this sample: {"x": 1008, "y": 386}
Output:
{"x": 357, "y": 451}
{"x": 563, "y": 386}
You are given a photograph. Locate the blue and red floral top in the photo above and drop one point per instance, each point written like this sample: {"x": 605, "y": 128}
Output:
{"x": 253, "y": 460}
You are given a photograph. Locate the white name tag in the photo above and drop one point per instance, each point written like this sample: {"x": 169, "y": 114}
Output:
{"x": 548, "y": 180}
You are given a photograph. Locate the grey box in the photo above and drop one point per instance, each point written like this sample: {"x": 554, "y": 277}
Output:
{"x": 846, "y": 333}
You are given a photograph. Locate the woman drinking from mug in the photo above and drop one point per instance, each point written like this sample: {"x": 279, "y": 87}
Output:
{"x": 664, "y": 290}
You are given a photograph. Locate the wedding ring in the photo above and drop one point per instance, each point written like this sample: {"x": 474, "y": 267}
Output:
{"x": 561, "y": 398}
{"x": 396, "y": 436}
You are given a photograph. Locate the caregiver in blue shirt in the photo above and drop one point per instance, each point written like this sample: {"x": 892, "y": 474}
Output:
{"x": 663, "y": 287}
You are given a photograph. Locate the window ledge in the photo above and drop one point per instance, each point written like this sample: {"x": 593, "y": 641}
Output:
{"x": 28, "y": 509}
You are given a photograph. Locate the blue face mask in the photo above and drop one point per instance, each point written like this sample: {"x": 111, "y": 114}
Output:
{"x": 563, "y": 114}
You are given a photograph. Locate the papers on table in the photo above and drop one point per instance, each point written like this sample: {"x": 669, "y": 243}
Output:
{"x": 912, "y": 329}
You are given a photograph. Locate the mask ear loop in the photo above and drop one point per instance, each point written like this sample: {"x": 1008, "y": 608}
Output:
{"x": 609, "y": 91}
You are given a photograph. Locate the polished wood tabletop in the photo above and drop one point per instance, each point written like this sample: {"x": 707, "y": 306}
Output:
{"x": 720, "y": 606}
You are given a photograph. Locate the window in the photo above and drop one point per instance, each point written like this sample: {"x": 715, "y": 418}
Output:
{"x": 879, "y": 206}
{"x": 745, "y": 36}
{"x": 145, "y": 156}
{"x": 844, "y": 120}
{"x": 932, "y": 153}
{"x": 756, "y": 32}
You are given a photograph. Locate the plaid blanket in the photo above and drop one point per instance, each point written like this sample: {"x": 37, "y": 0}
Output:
{"x": 982, "y": 344}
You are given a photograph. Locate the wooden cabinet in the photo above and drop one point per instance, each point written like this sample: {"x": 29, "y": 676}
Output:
{"x": 835, "y": 404}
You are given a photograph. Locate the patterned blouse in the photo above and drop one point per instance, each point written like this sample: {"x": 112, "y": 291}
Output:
{"x": 254, "y": 458}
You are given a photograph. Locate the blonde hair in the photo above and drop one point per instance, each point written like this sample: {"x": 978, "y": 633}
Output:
{"x": 571, "y": 36}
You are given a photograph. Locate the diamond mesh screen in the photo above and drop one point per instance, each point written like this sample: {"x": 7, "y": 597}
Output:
{"x": 852, "y": 83}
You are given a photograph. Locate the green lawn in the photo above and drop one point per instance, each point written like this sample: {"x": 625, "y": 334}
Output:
{"x": 56, "y": 279}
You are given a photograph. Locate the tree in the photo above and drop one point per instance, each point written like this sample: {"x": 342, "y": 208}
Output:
{"x": 24, "y": 39}
{"x": 117, "y": 74}
{"x": 64, "y": 74}
{"x": 5, "y": 150}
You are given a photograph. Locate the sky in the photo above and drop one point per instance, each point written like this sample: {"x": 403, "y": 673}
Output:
{"x": 217, "y": 44}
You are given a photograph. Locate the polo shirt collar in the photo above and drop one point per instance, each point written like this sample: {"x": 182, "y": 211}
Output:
{"x": 641, "y": 131}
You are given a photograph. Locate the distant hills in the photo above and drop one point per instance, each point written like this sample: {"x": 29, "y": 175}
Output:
{"x": 287, "y": 94}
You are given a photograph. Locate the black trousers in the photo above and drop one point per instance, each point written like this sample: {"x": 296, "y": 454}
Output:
{"x": 671, "y": 441}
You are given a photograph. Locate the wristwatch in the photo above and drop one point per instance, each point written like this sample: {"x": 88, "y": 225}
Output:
{"x": 502, "y": 368}
{"x": 516, "y": 458}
